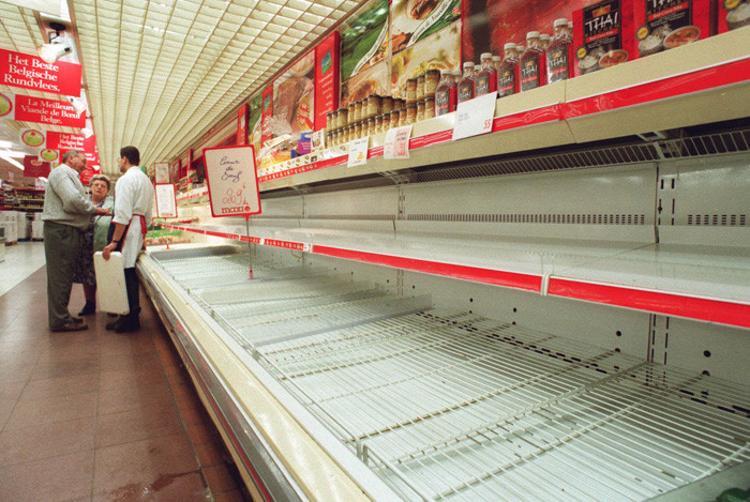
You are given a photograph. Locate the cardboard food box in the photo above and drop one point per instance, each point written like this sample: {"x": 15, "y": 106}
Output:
{"x": 666, "y": 24}
{"x": 603, "y": 35}
{"x": 732, "y": 14}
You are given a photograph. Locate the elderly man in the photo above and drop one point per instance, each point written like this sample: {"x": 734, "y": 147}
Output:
{"x": 66, "y": 215}
{"x": 134, "y": 197}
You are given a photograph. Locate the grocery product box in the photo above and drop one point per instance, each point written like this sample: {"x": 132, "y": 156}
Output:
{"x": 603, "y": 35}
{"x": 732, "y": 14}
{"x": 666, "y": 24}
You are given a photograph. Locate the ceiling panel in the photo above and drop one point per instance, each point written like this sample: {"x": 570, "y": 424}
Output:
{"x": 160, "y": 73}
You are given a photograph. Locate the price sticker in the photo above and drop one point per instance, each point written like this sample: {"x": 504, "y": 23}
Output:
{"x": 474, "y": 117}
{"x": 358, "y": 152}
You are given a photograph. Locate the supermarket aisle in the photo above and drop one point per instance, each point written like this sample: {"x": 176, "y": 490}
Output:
{"x": 21, "y": 260}
{"x": 100, "y": 416}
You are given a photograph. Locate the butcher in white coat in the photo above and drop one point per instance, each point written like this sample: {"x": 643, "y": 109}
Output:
{"x": 134, "y": 197}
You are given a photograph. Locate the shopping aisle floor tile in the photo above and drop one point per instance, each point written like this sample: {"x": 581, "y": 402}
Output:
{"x": 21, "y": 260}
{"x": 98, "y": 415}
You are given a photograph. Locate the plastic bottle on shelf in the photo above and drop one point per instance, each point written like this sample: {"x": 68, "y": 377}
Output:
{"x": 486, "y": 79}
{"x": 467, "y": 87}
{"x": 532, "y": 63}
{"x": 445, "y": 96}
{"x": 560, "y": 53}
{"x": 507, "y": 73}
{"x": 544, "y": 41}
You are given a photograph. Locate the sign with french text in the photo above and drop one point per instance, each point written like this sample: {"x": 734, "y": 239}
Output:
{"x": 396, "y": 145}
{"x": 48, "y": 111}
{"x": 232, "y": 181}
{"x": 31, "y": 72}
{"x": 166, "y": 200}
{"x": 474, "y": 117}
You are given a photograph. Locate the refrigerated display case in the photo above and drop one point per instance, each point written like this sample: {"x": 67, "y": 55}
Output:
{"x": 556, "y": 310}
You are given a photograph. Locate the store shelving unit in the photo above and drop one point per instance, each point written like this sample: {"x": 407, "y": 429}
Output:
{"x": 448, "y": 404}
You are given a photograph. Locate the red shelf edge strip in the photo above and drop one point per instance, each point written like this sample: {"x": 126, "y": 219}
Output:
{"x": 702, "y": 309}
{"x": 526, "y": 282}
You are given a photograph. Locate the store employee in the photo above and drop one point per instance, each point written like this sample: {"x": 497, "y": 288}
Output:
{"x": 67, "y": 214}
{"x": 134, "y": 197}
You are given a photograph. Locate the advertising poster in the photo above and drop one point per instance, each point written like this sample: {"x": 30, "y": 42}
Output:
{"x": 32, "y": 137}
{"x": 64, "y": 141}
{"x": 232, "y": 181}
{"x": 33, "y": 167}
{"x": 327, "y": 71}
{"x": 161, "y": 172}
{"x": 31, "y": 72}
{"x": 254, "y": 122}
{"x": 439, "y": 51}
{"x": 266, "y": 114}
{"x": 364, "y": 39}
{"x": 490, "y": 24}
{"x": 166, "y": 202}
{"x": 373, "y": 80}
{"x": 294, "y": 98}
{"x": 415, "y": 20}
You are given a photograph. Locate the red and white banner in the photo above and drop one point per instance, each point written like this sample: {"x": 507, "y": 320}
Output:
{"x": 327, "y": 63}
{"x": 91, "y": 151}
{"x": 34, "y": 168}
{"x": 47, "y": 111}
{"x": 31, "y": 72}
{"x": 65, "y": 141}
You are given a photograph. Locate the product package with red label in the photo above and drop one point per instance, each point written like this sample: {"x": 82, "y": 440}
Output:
{"x": 603, "y": 35}
{"x": 666, "y": 24}
{"x": 732, "y": 14}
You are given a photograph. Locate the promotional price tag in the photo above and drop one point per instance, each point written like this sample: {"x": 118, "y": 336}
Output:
{"x": 396, "y": 144}
{"x": 474, "y": 117}
{"x": 232, "y": 181}
{"x": 358, "y": 152}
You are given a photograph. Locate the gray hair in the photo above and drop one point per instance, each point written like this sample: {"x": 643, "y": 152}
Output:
{"x": 70, "y": 154}
{"x": 101, "y": 177}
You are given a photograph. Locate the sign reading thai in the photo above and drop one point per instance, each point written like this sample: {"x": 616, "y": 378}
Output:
{"x": 232, "y": 181}
{"x": 31, "y": 72}
{"x": 48, "y": 111}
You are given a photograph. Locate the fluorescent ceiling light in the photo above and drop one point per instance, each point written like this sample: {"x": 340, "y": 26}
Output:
{"x": 6, "y": 144}
{"x": 14, "y": 153}
{"x": 12, "y": 161}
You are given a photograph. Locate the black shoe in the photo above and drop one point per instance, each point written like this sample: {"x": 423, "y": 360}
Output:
{"x": 88, "y": 309}
{"x": 128, "y": 325}
{"x": 75, "y": 320}
{"x": 114, "y": 324}
{"x": 70, "y": 326}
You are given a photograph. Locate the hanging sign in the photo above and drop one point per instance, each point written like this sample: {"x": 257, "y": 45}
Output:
{"x": 65, "y": 141}
{"x": 33, "y": 167}
{"x": 86, "y": 175}
{"x": 396, "y": 145}
{"x": 474, "y": 117}
{"x": 90, "y": 150}
{"x": 327, "y": 72}
{"x": 49, "y": 155}
{"x": 232, "y": 181}
{"x": 32, "y": 137}
{"x": 166, "y": 201}
{"x": 242, "y": 115}
{"x": 31, "y": 72}
{"x": 48, "y": 111}
{"x": 161, "y": 172}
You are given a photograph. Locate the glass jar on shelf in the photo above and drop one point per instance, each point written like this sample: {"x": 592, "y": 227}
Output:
{"x": 411, "y": 113}
{"x": 420, "y": 87}
{"x": 411, "y": 90}
{"x": 420, "y": 110}
{"x": 431, "y": 82}
{"x": 429, "y": 107}
{"x": 386, "y": 104}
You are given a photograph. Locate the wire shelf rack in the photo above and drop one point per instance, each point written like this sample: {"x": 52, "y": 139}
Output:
{"x": 451, "y": 405}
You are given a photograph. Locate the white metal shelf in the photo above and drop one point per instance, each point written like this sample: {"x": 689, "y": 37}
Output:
{"x": 451, "y": 405}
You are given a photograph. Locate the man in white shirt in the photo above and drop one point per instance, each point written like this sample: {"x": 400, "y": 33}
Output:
{"x": 134, "y": 197}
{"x": 67, "y": 214}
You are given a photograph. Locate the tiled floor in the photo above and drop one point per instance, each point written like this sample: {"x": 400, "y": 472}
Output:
{"x": 21, "y": 260}
{"x": 95, "y": 415}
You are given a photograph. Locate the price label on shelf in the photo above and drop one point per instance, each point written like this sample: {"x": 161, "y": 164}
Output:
{"x": 232, "y": 181}
{"x": 474, "y": 117}
{"x": 396, "y": 144}
{"x": 358, "y": 152}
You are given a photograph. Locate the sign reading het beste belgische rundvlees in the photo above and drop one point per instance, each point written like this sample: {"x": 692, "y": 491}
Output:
{"x": 31, "y": 72}
{"x": 232, "y": 181}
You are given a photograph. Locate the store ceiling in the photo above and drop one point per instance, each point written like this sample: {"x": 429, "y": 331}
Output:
{"x": 161, "y": 73}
